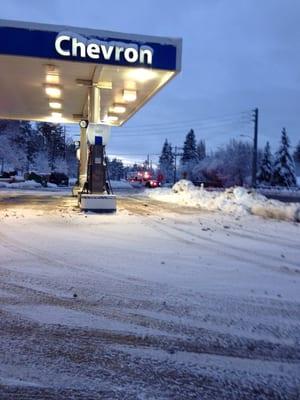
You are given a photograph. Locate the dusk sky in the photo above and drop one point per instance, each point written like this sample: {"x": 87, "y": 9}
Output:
{"x": 237, "y": 55}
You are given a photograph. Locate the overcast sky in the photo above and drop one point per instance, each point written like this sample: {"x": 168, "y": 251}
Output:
{"x": 237, "y": 55}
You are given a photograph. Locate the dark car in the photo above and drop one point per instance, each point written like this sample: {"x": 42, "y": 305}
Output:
{"x": 37, "y": 177}
{"x": 152, "y": 183}
{"x": 59, "y": 178}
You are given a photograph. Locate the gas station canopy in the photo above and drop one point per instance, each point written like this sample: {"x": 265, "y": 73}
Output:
{"x": 46, "y": 71}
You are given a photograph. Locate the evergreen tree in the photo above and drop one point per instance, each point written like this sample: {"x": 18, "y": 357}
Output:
{"x": 28, "y": 140}
{"x": 284, "y": 166}
{"x": 201, "y": 150}
{"x": 71, "y": 158}
{"x": 41, "y": 164}
{"x": 265, "y": 173}
{"x": 54, "y": 141}
{"x": 189, "y": 157}
{"x": 189, "y": 148}
{"x": 297, "y": 153}
{"x": 116, "y": 169}
{"x": 166, "y": 162}
{"x": 12, "y": 155}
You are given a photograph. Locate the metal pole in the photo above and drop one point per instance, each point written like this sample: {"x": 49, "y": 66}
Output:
{"x": 64, "y": 142}
{"x": 254, "y": 161}
{"x": 94, "y": 106}
{"x": 175, "y": 165}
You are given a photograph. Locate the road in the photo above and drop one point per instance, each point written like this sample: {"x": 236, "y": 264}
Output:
{"x": 154, "y": 302}
{"x": 295, "y": 198}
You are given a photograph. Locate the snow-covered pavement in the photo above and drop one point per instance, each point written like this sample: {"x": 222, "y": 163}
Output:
{"x": 157, "y": 301}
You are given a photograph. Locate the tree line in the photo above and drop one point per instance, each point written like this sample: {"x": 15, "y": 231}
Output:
{"x": 230, "y": 164}
{"x": 41, "y": 147}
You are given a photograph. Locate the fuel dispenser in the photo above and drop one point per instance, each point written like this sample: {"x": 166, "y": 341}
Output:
{"x": 96, "y": 193}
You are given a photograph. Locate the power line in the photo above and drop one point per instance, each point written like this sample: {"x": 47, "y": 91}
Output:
{"x": 242, "y": 117}
{"x": 177, "y": 128}
{"x": 210, "y": 128}
{"x": 198, "y": 124}
{"x": 212, "y": 118}
{"x": 222, "y": 128}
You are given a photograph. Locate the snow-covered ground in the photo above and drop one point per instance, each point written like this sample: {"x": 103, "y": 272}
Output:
{"x": 158, "y": 301}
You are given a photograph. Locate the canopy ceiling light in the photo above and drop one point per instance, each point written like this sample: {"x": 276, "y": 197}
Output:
{"x": 111, "y": 118}
{"x": 52, "y": 79}
{"x": 56, "y": 114}
{"x": 53, "y": 91}
{"x": 56, "y": 105}
{"x": 129, "y": 95}
{"x": 52, "y": 74}
{"x": 142, "y": 74}
{"x": 118, "y": 108}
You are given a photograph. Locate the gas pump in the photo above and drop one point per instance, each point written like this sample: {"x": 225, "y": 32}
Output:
{"x": 96, "y": 174}
{"x": 94, "y": 193}
{"x": 97, "y": 137}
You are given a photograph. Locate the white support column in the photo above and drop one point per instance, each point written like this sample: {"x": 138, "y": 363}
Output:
{"x": 94, "y": 104}
{"x": 93, "y": 116}
{"x": 83, "y": 158}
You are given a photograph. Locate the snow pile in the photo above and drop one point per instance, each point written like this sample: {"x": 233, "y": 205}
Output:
{"x": 21, "y": 185}
{"x": 18, "y": 178}
{"x": 232, "y": 201}
{"x": 183, "y": 186}
{"x": 51, "y": 185}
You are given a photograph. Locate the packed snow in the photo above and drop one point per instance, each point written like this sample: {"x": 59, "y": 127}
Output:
{"x": 157, "y": 301}
{"x": 122, "y": 184}
{"x": 238, "y": 201}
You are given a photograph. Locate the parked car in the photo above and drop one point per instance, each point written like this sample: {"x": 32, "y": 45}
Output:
{"x": 39, "y": 178}
{"x": 59, "y": 178}
{"x": 153, "y": 183}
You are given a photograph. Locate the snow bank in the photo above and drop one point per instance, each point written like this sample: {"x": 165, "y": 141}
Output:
{"x": 21, "y": 185}
{"x": 18, "y": 178}
{"x": 51, "y": 185}
{"x": 232, "y": 201}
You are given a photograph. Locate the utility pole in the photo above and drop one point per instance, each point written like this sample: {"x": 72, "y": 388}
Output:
{"x": 254, "y": 160}
{"x": 65, "y": 147}
{"x": 175, "y": 162}
{"x": 175, "y": 165}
